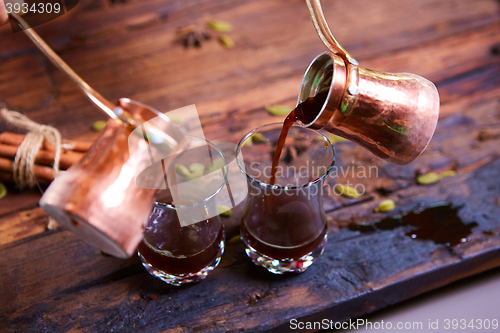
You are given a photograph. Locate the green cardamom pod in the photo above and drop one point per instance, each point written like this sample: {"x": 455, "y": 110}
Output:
{"x": 279, "y": 110}
{"x": 428, "y": 178}
{"x": 226, "y": 41}
{"x": 224, "y": 210}
{"x": 99, "y": 125}
{"x": 220, "y": 26}
{"x": 385, "y": 206}
{"x": 347, "y": 191}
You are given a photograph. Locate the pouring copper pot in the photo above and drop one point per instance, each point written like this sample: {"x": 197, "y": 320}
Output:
{"x": 392, "y": 115}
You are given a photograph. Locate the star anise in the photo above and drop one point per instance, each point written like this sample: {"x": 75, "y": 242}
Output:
{"x": 192, "y": 35}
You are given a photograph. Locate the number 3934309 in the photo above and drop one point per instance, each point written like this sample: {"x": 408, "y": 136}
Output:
{"x": 36, "y": 12}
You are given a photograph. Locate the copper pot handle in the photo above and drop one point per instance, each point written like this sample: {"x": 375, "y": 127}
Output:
{"x": 326, "y": 36}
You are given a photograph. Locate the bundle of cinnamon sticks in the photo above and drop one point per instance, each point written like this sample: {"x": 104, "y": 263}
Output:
{"x": 9, "y": 143}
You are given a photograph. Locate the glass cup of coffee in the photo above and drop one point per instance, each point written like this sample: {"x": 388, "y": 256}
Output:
{"x": 283, "y": 226}
{"x": 184, "y": 236}
{"x": 179, "y": 255}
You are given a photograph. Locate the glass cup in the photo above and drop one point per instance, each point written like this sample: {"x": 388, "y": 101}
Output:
{"x": 184, "y": 237}
{"x": 284, "y": 226}
{"x": 179, "y": 255}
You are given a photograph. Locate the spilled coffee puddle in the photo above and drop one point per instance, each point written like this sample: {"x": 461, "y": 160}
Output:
{"x": 440, "y": 224}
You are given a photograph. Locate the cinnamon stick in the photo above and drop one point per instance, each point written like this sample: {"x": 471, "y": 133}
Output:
{"x": 6, "y": 176}
{"x": 43, "y": 174}
{"x": 14, "y": 139}
{"x": 44, "y": 157}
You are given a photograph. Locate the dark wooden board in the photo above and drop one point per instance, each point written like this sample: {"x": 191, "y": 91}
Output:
{"x": 51, "y": 281}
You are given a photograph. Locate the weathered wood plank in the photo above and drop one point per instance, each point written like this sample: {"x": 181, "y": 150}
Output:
{"x": 341, "y": 278}
{"x": 237, "y": 293}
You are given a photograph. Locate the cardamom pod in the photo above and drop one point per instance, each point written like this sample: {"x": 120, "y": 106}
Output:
{"x": 449, "y": 173}
{"x": 182, "y": 170}
{"x": 335, "y": 138}
{"x": 99, "y": 125}
{"x": 220, "y": 26}
{"x": 226, "y": 41}
{"x": 347, "y": 191}
{"x": 428, "y": 178}
{"x": 224, "y": 210}
{"x": 248, "y": 142}
{"x": 279, "y": 110}
{"x": 258, "y": 138}
{"x": 3, "y": 190}
{"x": 197, "y": 170}
{"x": 235, "y": 239}
{"x": 385, "y": 206}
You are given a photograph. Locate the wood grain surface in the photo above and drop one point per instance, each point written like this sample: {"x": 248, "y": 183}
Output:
{"x": 52, "y": 282}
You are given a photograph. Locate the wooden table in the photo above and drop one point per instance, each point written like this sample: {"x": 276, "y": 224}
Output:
{"x": 51, "y": 281}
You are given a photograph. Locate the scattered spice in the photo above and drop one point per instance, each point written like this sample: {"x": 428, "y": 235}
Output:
{"x": 385, "y": 206}
{"x": 433, "y": 177}
{"x": 254, "y": 138}
{"x": 279, "y": 110}
{"x": 235, "y": 239}
{"x": 3, "y": 190}
{"x": 248, "y": 142}
{"x": 335, "y": 138}
{"x": 192, "y": 35}
{"x": 219, "y": 26}
{"x": 449, "y": 173}
{"x": 428, "y": 178}
{"x": 485, "y": 135}
{"x": 258, "y": 138}
{"x": 197, "y": 170}
{"x": 226, "y": 41}
{"x": 224, "y": 210}
{"x": 182, "y": 170}
{"x": 332, "y": 137}
{"x": 99, "y": 125}
{"x": 347, "y": 191}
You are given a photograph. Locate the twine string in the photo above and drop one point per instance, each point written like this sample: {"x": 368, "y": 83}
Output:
{"x": 28, "y": 150}
{"x": 24, "y": 161}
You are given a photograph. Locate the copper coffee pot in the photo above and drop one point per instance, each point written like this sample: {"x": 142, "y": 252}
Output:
{"x": 392, "y": 115}
{"x": 98, "y": 198}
